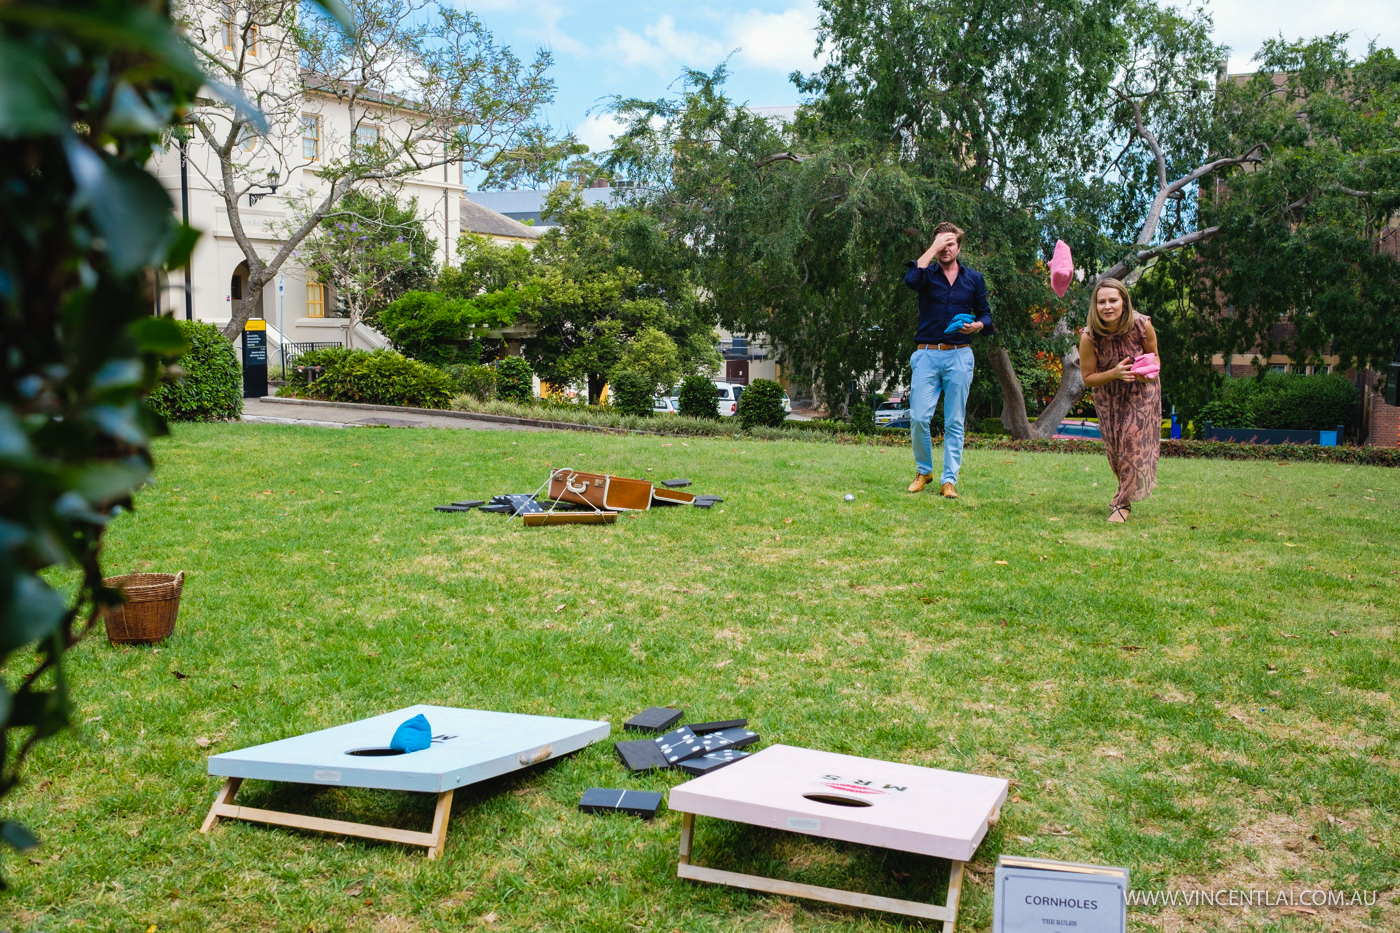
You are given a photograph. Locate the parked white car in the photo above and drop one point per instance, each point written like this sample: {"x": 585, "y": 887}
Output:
{"x": 894, "y": 410}
{"x": 665, "y": 406}
{"x": 727, "y": 394}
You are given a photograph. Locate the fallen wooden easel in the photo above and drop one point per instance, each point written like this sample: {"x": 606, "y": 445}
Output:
{"x": 434, "y": 840}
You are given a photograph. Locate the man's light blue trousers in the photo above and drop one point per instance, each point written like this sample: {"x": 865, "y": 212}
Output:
{"x": 947, "y": 373}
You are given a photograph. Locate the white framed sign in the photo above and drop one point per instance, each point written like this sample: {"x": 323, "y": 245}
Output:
{"x": 1045, "y": 896}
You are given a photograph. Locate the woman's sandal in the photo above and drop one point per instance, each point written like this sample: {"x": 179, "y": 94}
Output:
{"x": 1119, "y": 514}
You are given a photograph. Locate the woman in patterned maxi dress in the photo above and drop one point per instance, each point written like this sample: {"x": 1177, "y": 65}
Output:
{"x": 1129, "y": 406}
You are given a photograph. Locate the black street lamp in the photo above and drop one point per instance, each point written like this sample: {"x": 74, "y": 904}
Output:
{"x": 182, "y": 133}
{"x": 271, "y": 185}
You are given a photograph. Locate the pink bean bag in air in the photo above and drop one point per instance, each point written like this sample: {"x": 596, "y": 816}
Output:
{"x": 1061, "y": 268}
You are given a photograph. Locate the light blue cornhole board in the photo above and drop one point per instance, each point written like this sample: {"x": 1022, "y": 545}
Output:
{"x": 483, "y": 744}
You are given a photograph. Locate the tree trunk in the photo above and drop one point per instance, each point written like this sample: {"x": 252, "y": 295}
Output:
{"x": 251, "y": 296}
{"x": 1013, "y": 411}
{"x": 1071, "y": 385}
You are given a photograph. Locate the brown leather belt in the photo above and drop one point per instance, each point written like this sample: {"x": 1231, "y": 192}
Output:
{"x": 942, "y": 346}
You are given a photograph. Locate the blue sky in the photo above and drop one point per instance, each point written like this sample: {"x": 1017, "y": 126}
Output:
{"x": 638, "y": 47}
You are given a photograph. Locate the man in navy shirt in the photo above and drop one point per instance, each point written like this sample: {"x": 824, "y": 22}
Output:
{"x": 952, "y": 313}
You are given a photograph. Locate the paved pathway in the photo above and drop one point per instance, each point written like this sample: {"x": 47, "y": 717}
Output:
{"x": 332, "y": 415}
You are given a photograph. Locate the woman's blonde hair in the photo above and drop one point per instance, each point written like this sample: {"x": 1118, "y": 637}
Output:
{"x": 1125, "y": 321}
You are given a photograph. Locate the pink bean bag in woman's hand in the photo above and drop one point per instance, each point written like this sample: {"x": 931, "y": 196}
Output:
{"x": 1061, "y": 268}
{"x": 1147, "y": 365}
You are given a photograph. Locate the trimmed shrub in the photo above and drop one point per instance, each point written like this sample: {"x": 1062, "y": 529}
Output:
{"x": 298, "y": 369}
{"x": 379, "y": 377}
{"x": 630, "y": 392}
{"x": 761, "y": 405}
{"x": 1286, "y": 401}
{"x": 697, "y": 398}
{"x": 514, "y": 380}
{"x": 1307, "y": 403}
{"x": 1228, "y": 413}
{"x": 212, "y": 387}
{"x": 862, "y": 418}
{"x": 994, "y": 427}
{"x": 476, "y": 381}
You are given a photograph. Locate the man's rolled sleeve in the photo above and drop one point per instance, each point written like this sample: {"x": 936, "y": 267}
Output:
{"x": 915, "y": 276}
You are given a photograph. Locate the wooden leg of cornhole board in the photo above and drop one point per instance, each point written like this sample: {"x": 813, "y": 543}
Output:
{"x": 440, "y": 817}
{"x": 955, "y": 876}
{"x": 948, "y": 914}
{"x": 225, "y": 796}
{"x": 433, "y": 841}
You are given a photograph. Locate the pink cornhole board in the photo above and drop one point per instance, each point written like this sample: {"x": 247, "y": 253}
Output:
{"x": 878, "y": 803}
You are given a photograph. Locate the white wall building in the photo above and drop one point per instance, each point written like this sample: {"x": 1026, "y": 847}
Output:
{"x": 300, "y": 307}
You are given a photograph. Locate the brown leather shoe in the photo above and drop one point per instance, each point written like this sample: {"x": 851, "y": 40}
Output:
{"x": 920, "y": 481}
{"x": 949, "y": 492}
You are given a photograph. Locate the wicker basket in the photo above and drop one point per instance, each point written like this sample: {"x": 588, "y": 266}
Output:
{"x": 148, "y": 615}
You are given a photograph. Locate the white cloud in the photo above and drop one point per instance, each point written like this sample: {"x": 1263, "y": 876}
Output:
{"x": 1243, "y": 25}
{"x": 665, "y": 48}
{"x": 778, "y": 41}
{"x": 597, "y": 131}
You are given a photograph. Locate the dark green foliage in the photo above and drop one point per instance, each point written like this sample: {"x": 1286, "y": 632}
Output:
{"x": 212, "y": 386}
{"x": 86, "y": 89}
{"x": 437, "y": 329}
{"x": 761, "y": 405}
{"x": 606, "y": 277}
{"x": 485, "y": 267}
{"x": 1233, "y": 412}
{"x": 862, "y": 417}
{"x": 697, "y": 398}
{"x": 514, "y": 380}
{"x": 630, "y": 392}
{"x": 993, "y": 426}
{"x": 299, "y": 370}
{"x": 373, "y": 250}
{"x": 1206, "y": 450}
{"x": 378, "y": 377}
{"x": 473, "y": 380}
{"x": 1284, "y": 401}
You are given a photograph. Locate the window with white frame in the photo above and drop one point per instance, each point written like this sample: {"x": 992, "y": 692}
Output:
{"x": 366, "y": 136}
{"x": 310, "y": 136}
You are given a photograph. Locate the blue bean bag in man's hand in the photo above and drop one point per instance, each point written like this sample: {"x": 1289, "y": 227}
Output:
{"x": 413, "y": 736}
{"x": 959, "y": 321}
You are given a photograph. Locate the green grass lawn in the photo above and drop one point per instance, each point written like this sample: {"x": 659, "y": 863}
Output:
{"x": 1204, "y": 694}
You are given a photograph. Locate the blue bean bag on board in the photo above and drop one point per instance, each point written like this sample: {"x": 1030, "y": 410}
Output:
{"x": 413, "y": 736}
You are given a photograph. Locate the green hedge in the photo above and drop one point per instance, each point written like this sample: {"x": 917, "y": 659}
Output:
{"x": 1283, "y": 401}
{"x": 698, "y": 398}
{"x": 379, "y": 377}
{"x": 515, "y": 380}
{"x": 476, "y": 381}
{"x": 761, "y": 405}
{"x": 212, "y": 386}
{"x": 630, "y": 392}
